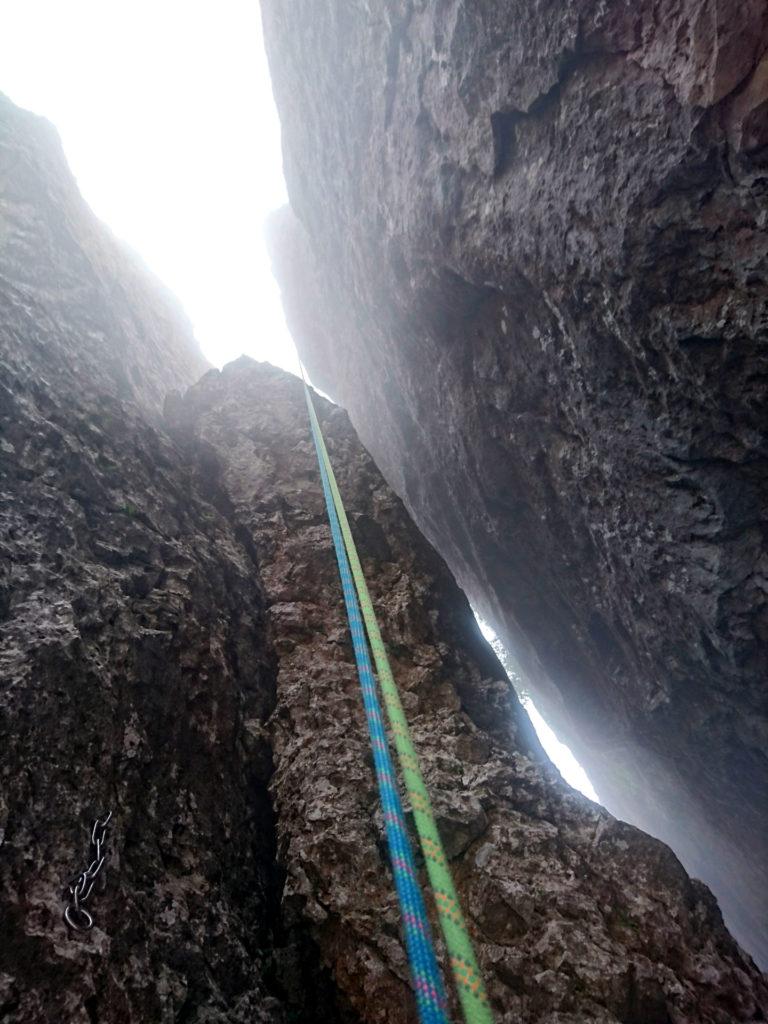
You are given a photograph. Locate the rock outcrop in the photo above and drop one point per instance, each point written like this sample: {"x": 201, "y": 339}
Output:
{"x": 134, "y": 663}
{"x": 173, "y": 647}
{"x": 551, "y": 882}
{"x": 531, "y": 263}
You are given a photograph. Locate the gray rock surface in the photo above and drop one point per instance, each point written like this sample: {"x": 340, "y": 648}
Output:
{"x": 173, "y": 647}
{"x": 531, "y": 263}
{"x": 576, "y": 916}
{"x": 135, "y": 669}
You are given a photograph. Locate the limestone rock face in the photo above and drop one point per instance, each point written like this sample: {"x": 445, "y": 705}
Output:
{"x": 530, "y": 261}
{"x": 173, "y": 648}
{"x": 135, "y": 669}
{"x": 576, "y": 916}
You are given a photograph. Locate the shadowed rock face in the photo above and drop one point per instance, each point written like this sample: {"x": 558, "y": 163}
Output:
{"x": 173, "y": 647}
{"x": 135, "y": 667}
{"x": 531, "y": 263}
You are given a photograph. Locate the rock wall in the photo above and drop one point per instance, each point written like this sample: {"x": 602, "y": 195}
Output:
{"x": 531, "y": 263}
{"x": 135, "y": 670}
{"x": 552, "y": 883}
{"x": 173, "y": 647}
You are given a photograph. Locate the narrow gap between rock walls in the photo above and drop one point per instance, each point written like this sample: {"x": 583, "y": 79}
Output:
{"x": 559, "y": 754}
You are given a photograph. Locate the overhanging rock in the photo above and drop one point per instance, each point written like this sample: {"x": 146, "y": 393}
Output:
{"x": 531, "y": 263}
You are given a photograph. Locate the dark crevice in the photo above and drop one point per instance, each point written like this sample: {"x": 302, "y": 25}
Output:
{"x": 503, "y": 131}
{"x": 504, "y": 122}
{"x": 91, "y": 1008}
{"x": 243, "y": 535}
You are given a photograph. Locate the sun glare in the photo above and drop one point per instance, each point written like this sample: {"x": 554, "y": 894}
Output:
{"x": 167, "y": 119}
{"x": 559, "y": 754}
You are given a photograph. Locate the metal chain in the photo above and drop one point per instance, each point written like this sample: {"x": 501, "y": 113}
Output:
{"x": 81, "y": 885}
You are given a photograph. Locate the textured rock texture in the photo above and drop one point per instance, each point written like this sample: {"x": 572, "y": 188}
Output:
{"x": 577, "y": 917}
{"x": 173, "y": 647}
{"x": 135, "y": 673}
{"x": 531, "y": 263}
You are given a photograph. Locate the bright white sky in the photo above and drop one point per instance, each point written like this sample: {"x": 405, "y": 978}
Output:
{"x": 166, "y": 113}
{"x": 559, "y": 754}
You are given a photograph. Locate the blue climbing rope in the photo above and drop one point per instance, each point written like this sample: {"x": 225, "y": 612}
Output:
{"x": 427, "y": 981}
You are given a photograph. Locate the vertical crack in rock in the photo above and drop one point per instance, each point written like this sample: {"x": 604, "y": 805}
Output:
{"x": 136, "y": 668}
{"x": 173, "y": 647}
{"x": 539, "y": 289}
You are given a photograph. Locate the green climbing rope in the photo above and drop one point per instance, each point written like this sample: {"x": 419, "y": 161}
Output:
{"x": 466, "y": 973}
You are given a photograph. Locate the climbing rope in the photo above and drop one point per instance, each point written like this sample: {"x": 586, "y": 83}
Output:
{"x": 427, "y": 982}
{"x": 466, "y": 973}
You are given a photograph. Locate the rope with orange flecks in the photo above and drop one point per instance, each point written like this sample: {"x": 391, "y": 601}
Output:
{"x": 466, "y": 973}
